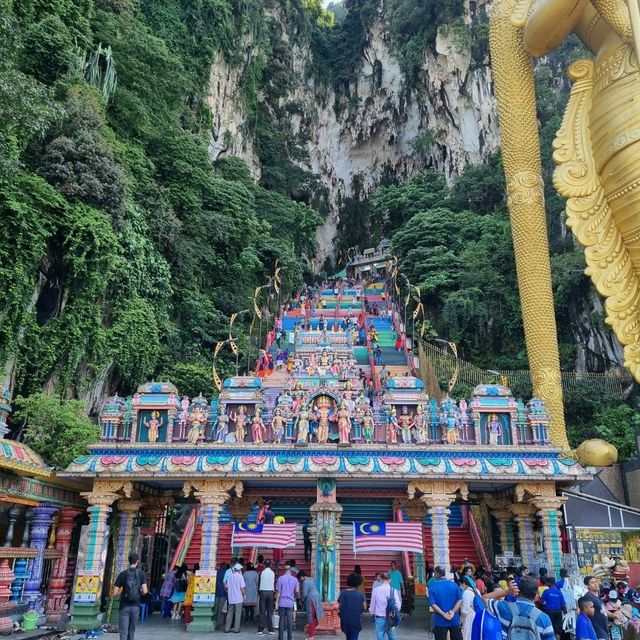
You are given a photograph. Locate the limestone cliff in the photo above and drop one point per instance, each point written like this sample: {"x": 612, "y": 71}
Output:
{"x": 380, "y": 123}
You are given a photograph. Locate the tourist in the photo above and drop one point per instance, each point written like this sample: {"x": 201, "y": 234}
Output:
{"x": 564, "y": 575}
{"x": 525, "y": 592}
{"x": 188, "y": 598}
{"x": 377, "y": 581}
{"x": 260, "y": 565}
{"x": 378, "y": 607}
{"x": 236, "y": 591}
{"x": 287, "y": 590}
{"x": 361, "y": 587}
{"x": 599, "y": 618}
{"x": 467, "y": 612}
{"x": 553, "y": 604}
{"x": 584, "y": 626}
{"x": 279, "y": 360}
{"x": 311, "y": 602}
{"x": 179, "y": 592}
{"x": 306, "y": 537}
{"x": 166, "y": 591}
{"x": 378, "y": 355}
{"x": 445, "y": 598}
{"x": 396, "y": 577}
{"x": 221, "y": 595}
{"x": 267, "y": 515}
{"x": 130, "y": 585}
{"x": 251, "y": 593}
{"x": 351, "y": 605}
{"x": 266, "y": 590}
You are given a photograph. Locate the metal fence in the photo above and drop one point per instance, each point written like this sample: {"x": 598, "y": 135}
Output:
{"x": 437, "y": 366}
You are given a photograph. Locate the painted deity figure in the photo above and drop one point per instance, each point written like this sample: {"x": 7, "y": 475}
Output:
{"x": 335, "y": 367}
{"x": 298, "y": 395}
{"x": 321, "y": 411}
{"x": 494, "y": 429}
{"x": 302, "y": 425}
{"x": 367, "y": 426}
{"x": 392, "y": 427}
{"x": 153, "y": 424}
{"x": 358, "y": 417}
{"x": 452, "y": 427}
{"x": 312, "y": 367}
{"x": 240, "y": 420}
{"x": 347, "y": 395}
{"x": 182, "y": 419}
{"x": 197, "y": 420}
{"x": 406, "y": 424}
{"x": 222, "y": 424}
{"x": 464, "y": 417}
{"x": 324, "y": 359}
{"x": 277, "y": 426}
{"x": 420, "y": 421}
{"x": 258, "y": 428}
{"x": 344, "y": 424}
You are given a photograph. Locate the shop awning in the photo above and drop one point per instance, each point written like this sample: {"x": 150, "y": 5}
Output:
{"x": 597, "y": 513}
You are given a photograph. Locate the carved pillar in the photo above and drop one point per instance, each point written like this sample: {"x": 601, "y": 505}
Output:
{"x": 212, "y": 494}
{"x": 437, "y": 495}
{"x": 26, "y": 534}
{"x": 504, "y": 519}
{"x": 549, "y": 514}
{"x": 127, "y": 512}
{"x": 14, "y": 512}
{"x": 56, "y": 608}
{"x": 525, "y": 519}
{"x": 325, "y": 569}
{"x": 88, "y": 587}
{"x": 39, "y": 536}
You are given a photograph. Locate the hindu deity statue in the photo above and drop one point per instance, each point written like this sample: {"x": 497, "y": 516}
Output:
{"x": 347, "y": 395}
{"x": 298, "y": 396}
{"x": 358, "y": 417}
{"x": 464, "y": 416}
{"x": 367, "y": 426}
{"x": 322, "y": 411}
{"x": 258, "y": 428}
{"x": 302, "y": 425}
{"x": 182, "y": 418}
{"x": 335, "y": 366}
{"x": 406, "y": 424}
{"x": 127, "y": 415}
{"x": 240, "y": 419}
{"x": 222, "y": 424}
{"x": 197, "y": 419}
{"x": 277, "y": 426}
{"x": 312, "y": 367}
{"x": 324, "y": 359}
{"x": 420, "y": 422}
{"x": 153, "y": 424}
{"x": 344, "y": 424}
{"x": 392, "y": 427}
{"x": 494, "y": 429}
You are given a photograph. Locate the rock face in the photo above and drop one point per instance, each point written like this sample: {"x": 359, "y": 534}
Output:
{"x": 379, "y": 124}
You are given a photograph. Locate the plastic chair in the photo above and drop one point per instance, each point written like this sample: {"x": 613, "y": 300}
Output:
{"x": 143, "y": 612}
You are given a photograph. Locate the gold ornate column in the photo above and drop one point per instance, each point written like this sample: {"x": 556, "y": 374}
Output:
{"x": 212, "y": 494}
{"x": 513, "y": 79}
{"x": 437, "y": 495}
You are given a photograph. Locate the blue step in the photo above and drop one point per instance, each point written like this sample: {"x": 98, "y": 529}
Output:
{"x": 354, "y": 509}
{"x": 455, "y": 517}
{"x": 380, "y": 324}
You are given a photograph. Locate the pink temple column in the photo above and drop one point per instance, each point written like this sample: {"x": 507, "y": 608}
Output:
{"x": 56, "y": 608}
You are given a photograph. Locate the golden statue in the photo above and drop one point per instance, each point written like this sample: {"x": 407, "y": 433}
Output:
{"x": 597, "y": 151}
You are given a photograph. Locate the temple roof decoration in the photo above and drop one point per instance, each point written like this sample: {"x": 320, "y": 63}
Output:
{"x": 21, "y": 459}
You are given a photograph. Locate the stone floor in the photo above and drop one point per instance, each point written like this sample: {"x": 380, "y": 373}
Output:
{"x": 156, "y": 627}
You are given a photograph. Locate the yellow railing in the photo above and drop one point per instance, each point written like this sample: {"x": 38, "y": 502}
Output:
{"x": 437, "y": 365}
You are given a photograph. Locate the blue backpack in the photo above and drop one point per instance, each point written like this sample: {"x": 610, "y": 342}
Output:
{"x": 485, "y": 626}
{"x": 393, "y": 615}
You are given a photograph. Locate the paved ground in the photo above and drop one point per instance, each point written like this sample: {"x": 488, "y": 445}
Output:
{"x": 156, "y": 628}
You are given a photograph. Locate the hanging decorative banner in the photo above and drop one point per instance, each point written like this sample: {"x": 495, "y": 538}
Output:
{"x": 216, "y": 351}
{"x": 256, "y": 308}
{"x": 234, "y": 347}
{"x": 216, "y": 378}
{"x": 232, "y": 319}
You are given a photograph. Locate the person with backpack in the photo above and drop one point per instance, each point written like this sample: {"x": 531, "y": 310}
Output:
{"x": 520, "y": 620}
{"x": 553, "y": 605}
{"x": 445, "y": 598}
{"x": 179, "y": 592}
{"x": 130, "y": 585}
{"x": 385, "y": 608}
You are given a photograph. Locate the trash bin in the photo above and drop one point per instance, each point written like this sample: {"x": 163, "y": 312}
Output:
{"x": 30, "y": 620}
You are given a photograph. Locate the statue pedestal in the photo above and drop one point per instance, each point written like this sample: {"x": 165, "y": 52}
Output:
{"x": 330, "y": 624}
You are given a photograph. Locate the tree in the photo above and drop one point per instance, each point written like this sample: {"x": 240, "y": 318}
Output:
{"x": 58, "y": 430}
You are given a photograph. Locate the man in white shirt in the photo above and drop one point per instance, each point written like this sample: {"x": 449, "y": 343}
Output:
{"x": 378, "y": 608}
{"x": 235, "y": 598}
{"x": 266, "y": 588}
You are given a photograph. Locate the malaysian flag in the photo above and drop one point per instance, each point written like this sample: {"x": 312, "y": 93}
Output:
{"x": 387, "y": 536}
{"x": 272, "y": 536}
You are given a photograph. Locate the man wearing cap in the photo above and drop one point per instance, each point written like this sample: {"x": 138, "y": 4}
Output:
{"x": 235, "y": 598}
{"x": 287, "y": 590}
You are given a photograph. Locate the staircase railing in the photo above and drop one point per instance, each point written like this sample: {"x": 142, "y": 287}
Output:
{"x": 477, "y": 539}
{"x": 254, "y": 551}
{"x": 408, "y": 569}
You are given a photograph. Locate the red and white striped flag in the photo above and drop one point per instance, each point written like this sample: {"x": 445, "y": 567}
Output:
{"x": 271, "y": 536}
{"x": 387, "y": 536}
